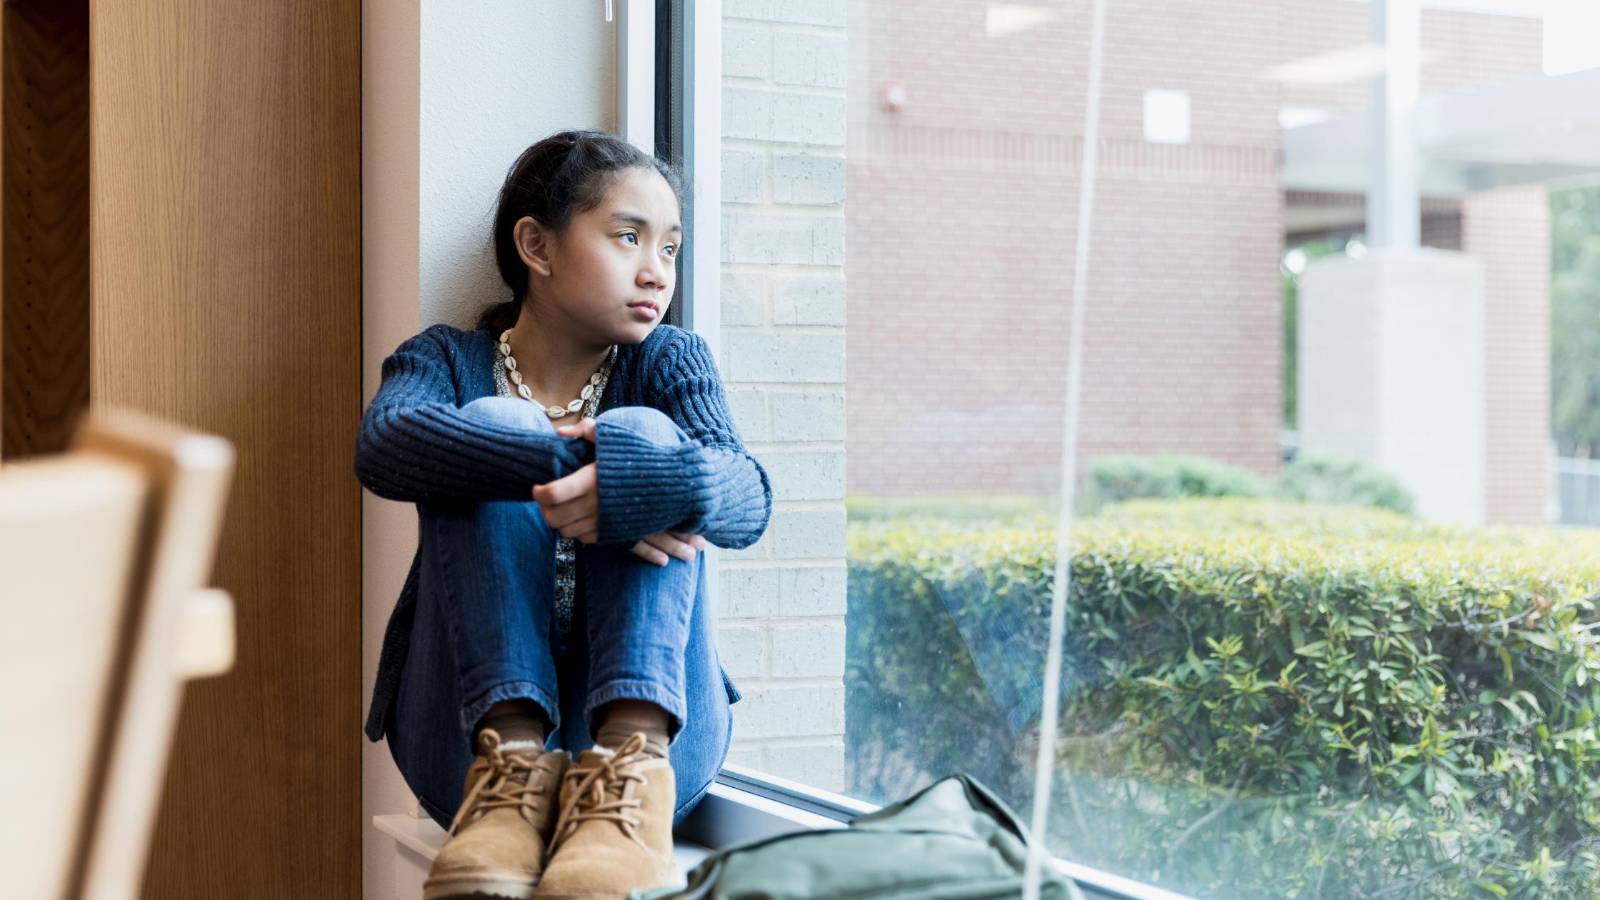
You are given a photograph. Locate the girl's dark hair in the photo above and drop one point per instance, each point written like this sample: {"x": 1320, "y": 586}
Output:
{"x": 559, "y": 177}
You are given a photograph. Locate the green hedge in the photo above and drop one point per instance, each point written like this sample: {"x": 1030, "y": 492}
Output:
{"x": 1261, "y": 699}
{"x": 1317, "y": 479}
{"x": 1325, "y": 479}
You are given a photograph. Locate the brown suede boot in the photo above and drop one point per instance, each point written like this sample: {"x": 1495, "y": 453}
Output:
{"x": 497, "y": 840}
{"x": 614, "y": 834}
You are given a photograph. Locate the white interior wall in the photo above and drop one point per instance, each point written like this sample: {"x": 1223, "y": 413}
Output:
{"x": 451, "y": 93}
{"x": 497, "y": 75}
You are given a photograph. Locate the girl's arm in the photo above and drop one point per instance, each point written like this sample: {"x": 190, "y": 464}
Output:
{"x": 709, "y": 485}
{"x": 416, "y": 445}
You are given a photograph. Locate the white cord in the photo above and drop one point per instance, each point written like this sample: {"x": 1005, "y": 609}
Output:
{"x": 1061, "y": 591}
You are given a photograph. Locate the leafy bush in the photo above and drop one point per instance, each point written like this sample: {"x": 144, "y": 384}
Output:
{"x": 1330, "y": 480}
{"x": 1116, "y": 478}
{"x": 1259, "y": 700}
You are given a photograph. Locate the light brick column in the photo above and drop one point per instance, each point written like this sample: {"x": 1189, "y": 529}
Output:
{"x": 781, "y": 632}
{"x": 1509, "y": 229}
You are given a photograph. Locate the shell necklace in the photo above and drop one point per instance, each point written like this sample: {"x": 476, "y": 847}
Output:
{"x": 554, "y": 412}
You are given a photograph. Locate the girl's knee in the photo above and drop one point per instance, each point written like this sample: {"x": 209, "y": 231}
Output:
{"x": 509, "y": 411}
{"x": 646, "y": 421}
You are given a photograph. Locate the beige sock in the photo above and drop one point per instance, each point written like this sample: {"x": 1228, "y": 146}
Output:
{"x": 517, "y": 721}
{"x": 621, "y": 724}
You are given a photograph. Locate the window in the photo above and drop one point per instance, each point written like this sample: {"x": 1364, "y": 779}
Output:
{"x": 1330, "y": 629}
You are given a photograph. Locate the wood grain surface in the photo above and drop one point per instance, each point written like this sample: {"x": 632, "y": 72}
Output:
{"x": 44, "y": 224}
{"x": 226, "y": 295}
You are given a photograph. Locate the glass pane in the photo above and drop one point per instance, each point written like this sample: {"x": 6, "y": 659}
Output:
{"x": 1330, "y": 624}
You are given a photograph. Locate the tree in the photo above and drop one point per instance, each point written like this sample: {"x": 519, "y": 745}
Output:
{"x": 1295, "y": 258}
{"x": 1575, "y": 321}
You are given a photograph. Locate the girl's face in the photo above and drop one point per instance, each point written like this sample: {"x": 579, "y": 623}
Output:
{"x": 614, "y": 267}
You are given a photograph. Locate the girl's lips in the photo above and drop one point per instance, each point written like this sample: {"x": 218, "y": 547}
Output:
{"x": 645, "y": 308}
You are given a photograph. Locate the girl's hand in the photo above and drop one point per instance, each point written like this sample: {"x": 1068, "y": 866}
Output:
{"x": 571, "y": 505}
{"x": 584, "y": 429}
{"x": 655, "y": 547}
{"x": 574, "y": 509}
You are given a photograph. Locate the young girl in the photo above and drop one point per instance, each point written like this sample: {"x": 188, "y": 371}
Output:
{"x": 568, "y": 459}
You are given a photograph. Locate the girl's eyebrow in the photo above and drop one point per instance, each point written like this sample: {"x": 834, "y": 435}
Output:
{"x": 633, "y": 218}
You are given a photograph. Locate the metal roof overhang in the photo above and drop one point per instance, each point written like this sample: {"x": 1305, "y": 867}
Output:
{"x": 1538, "y": 129}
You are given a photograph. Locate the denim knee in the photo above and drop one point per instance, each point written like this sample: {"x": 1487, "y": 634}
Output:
{"x": 509, "y": 411}
{"x": 646, "y": 421}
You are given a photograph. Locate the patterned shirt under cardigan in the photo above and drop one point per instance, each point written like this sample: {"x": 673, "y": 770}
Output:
{"x": 566, "y": 548}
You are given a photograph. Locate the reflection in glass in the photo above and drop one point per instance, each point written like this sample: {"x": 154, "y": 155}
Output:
{"x": 1331, "y": 624}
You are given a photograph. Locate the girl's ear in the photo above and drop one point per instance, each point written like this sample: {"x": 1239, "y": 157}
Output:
{"x": 534, "y": 244}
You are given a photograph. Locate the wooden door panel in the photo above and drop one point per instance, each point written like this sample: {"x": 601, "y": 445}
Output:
{"x": 226, "y": 294}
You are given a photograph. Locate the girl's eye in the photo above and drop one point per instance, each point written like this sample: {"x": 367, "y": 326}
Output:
{"x": 629, "y": 234}
{"x": 674, "y": 250}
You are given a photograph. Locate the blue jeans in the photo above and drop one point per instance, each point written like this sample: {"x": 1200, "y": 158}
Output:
{"x": 485, "y": 632}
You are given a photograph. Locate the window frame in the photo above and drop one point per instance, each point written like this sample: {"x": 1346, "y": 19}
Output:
{"x": 688, "y": 116}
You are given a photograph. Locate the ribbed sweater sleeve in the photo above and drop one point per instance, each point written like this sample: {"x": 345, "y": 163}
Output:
{"x": 416, "y": 445}
{"x": 709, "y": 485}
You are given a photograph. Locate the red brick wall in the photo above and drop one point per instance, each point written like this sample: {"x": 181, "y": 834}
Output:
{"x": 961, "y": 225}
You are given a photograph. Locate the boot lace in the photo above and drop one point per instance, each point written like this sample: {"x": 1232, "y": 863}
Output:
{"x": 511, "y": 779}
{"x": 603, "y": 791}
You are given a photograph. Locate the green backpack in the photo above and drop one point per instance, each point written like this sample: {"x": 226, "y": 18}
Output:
{"x": 953, "y": 840}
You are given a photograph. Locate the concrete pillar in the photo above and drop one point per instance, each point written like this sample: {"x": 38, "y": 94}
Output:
{"x": 1391, "y": 368}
